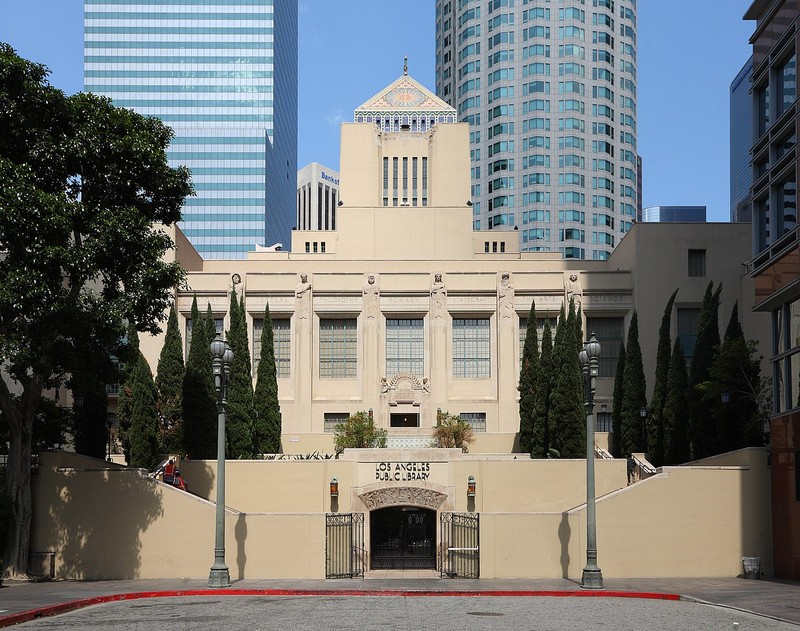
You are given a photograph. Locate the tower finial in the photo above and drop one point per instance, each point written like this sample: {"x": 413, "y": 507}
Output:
{"x": 405, "y": 66}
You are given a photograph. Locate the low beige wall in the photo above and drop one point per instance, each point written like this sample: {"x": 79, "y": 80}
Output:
{"x": 107, "y": 522}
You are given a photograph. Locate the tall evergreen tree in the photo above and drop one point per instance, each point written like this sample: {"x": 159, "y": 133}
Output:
{"x": 566, "y": 398}
{"x": 199, "y": 397}
{"x": 143, "y": 433}
{"x": 169, "y": 383}
{"x": 703, "y": 423}
{"x": 676, "y": 410}
{"x": 736, "y": 372}
{"x": 655, "y": 428}
{"x": 634, "y": 395}
{"x": 527, "y": 383}
{"x": 540, "y": 430}
{"x": 616, "y": 408}
{"x": 94, "y": 368}
{"x": 128, "y": 360}
{"x": 240, "y": 425}
{"x": 268, "y": 410}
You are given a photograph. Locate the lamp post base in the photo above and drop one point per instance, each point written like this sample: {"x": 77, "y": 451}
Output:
{"x": 219, "y": 576}
{"x": 592, "y": 578}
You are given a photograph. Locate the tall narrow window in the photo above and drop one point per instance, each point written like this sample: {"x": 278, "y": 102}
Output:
{"x": 386, "y": 181}
{"x": 405, "y": 181}
{"x": 609, "y": 332}
{"x": 338, "y": 350}
{"x": 697, "y": 263}
{"x": 320, "y": 193}
{"x": 414, "y": 181}
{"x": 471, "y": 348}
{"x": 394, "y": 181}
{"x": 404, "y": 346}
{"x": 424, "y": 181}
{"x": 787, "y": 84}
{"x": 688, "y": 320}
{"x": 787, "y": 206}
{"x": 281, "y": 343}
{"x": 219, "y": 325}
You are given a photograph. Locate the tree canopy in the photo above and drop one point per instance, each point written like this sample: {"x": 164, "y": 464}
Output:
{"x": 84, "y": 187}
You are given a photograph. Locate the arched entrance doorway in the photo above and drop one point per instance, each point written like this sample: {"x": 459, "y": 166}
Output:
{"x": 403, "y": 537}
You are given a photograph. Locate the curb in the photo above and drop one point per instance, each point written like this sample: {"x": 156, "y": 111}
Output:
{"x": 72, "y": 605}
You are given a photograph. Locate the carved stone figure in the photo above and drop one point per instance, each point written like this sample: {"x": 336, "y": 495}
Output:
{"x": 371, "y": 297}
{"x": 505, "y": 294}
{"x": 573, "y": 289}
{"x": 438, "y": 296}
{"x": 302, "y": 293}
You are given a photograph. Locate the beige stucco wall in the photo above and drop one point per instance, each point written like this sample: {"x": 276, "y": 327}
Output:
{"x": 685, "y": 521}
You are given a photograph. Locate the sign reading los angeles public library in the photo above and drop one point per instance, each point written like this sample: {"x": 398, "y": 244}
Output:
{"x": 402, "y": 471}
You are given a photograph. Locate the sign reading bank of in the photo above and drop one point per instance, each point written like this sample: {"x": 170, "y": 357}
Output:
{"x": 402, "y": 471}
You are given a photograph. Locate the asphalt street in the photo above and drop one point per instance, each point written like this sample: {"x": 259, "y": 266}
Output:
{"x": 408, "y": 613}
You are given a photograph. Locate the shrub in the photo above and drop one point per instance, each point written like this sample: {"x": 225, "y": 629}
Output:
{"x": 358, "y": 432}
{"x": 452, "y": 432}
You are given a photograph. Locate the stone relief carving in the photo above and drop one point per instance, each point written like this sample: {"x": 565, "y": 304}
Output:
{"x": 371, "y": 293}
{"x": 302, "y": 293}
{"x": 404, "y": 388}
{"x": 438, "y": 296}
{"x": 403, "y": 495}
{"x": 573, "y": 289}
{"x": 505, "y": 295}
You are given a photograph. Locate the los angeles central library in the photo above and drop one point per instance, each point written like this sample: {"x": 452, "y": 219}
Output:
{"x": 402, "y": 310}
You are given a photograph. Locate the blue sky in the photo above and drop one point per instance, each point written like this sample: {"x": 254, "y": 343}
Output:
{"x": 689, "y": 52}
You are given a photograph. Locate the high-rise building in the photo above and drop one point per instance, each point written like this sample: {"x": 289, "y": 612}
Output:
{"x": 549, "y": 91}
{"x": 223, "y": 75}
{"x": 317, "y": 197}
{"x": 674, "y": 214}
{"x": 776, "y": 241}
{"x": 741, "y": 139}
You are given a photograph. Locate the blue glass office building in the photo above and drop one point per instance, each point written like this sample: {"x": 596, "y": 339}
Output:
{"x": 223, "y": 75}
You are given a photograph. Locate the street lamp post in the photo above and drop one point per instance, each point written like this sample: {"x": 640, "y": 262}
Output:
{"x": 592, "y": 575}
{"x": 643, "y": 416}
{"x": 109, "y": 423}
{"x": 223, "y": 356}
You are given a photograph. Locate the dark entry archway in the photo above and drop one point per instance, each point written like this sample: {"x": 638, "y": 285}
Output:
{"x": 403, "y": 537}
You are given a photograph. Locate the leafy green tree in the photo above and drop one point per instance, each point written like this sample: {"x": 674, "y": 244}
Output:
{"x": 736, "y": 373}
{"x": 566, "y": 398}
{"x": 703, "y": 424}
{"x": 89, "y": 419}
{"x": 268, "y": 409}
{"x": 85, "y": 186}
{"x": 169, "y": 383}
{"x": 143, "y": 434}
{"x": 616, "y": 408}
{"x": 358, "y": 432}
{"x": 655, "y": 428}
{"x": 527, "y": 383}
{"x": 199, "y": 397}
{"x": 540, "y": 431}
{"x": 677, "y": 449}
{"x": 452, "y": 432}
{"x": 634, "y": 392}
{"x": 240, "y": 425}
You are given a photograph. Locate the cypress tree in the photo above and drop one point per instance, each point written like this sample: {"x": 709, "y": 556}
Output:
{"x": 268, "y": 410}
{"x": 199, "y": 397}
{"x": 703, "y": 423}
{"x": 143, "y": 432}
{"x": 676, "y": 410}
{"x": 169, "y": 384}
{"x": 737, "y": 373}
{"x": 634, "y": 395}
{"x": 527, "y": 383}
{"x": 566, "y": 399}
{"x": 240, "y": 424}
{"x": 616, "y": 408}
{"x": 655, "y": 428}
{"x": 128, "y": 360}
{"x": 540, "y": 430}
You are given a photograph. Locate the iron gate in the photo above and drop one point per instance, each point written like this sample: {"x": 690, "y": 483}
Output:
{"x": 345, "y": 556}
{"x": 459, "y": 555}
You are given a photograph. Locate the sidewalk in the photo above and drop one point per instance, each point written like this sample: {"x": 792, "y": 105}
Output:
{"x": 772, "y": 598}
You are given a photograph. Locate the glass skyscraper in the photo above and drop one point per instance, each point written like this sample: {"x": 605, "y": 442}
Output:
{"x": 549, "y": 90}
{"x": 741, "y": 139}
{"x": 223, "y": 75}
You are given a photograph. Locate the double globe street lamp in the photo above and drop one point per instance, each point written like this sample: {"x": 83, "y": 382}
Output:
{"x": 221, "y": 368}
{"x": 589, "y": 355}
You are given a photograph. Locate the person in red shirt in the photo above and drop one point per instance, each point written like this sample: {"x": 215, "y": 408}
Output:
{"x": 179, "y": 481}
{"x": 169, "y": 472}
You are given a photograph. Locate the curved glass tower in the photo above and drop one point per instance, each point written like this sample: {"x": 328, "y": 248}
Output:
{"x": 549, "y": 90}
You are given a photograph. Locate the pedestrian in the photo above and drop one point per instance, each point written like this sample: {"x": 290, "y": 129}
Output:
{"x": 169, "y": 472}
{"x": 179, "y": 481}
{"x": 631, "y": 470}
